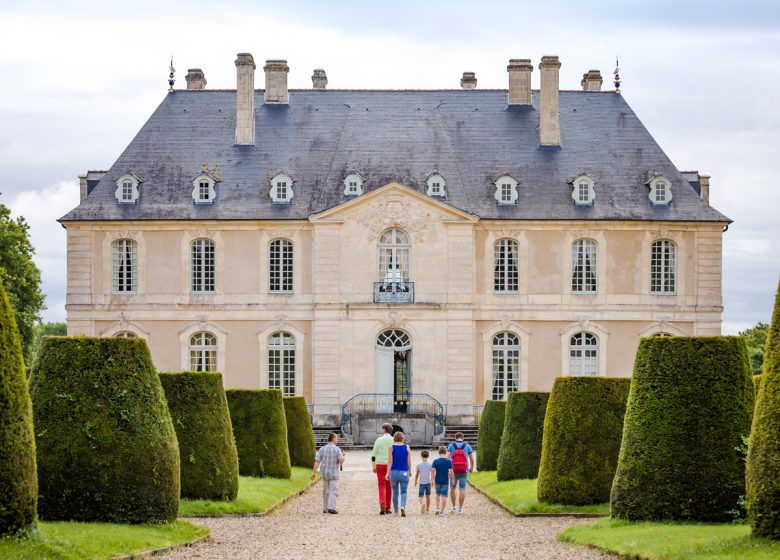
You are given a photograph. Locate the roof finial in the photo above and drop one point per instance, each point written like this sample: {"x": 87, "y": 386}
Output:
{"x": 171, "y": 81}
{"x": 617, "y": 75}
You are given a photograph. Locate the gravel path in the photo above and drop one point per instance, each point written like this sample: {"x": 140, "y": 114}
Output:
{"x": 301, "y": 530}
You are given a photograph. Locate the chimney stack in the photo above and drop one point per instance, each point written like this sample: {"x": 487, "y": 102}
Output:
{"x": 549, "y": 118}
{"x": 319, "y": 80}
{"x": 196, "y": 79}
{"x": 276, "y": 81}
{"x": 704, "y": 184}
{"x": 519, "y": 81}
{"x": 245, "y": 99}
{"x": 591, "y": 80}
{"x": 469, "y": 80}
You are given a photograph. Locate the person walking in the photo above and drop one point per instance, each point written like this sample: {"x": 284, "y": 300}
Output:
{"x": 379, "y": 457}
{"x": 462, "y": 456}
{"x": 399, "y": 460}
{"x": 328, "y": 459}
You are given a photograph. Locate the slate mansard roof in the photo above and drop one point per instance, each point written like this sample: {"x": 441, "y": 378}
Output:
{"x": 470, "y": 137}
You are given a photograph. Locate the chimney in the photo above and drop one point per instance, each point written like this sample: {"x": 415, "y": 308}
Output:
{"x": 245, "y": 99}
{"x": 319, "y": 80}
{"x": 195, "y": 79}
{"x": 276, "y": 81}
{"x": 704, "y": 183}
{"x": 89, "y": 181}
{"x": 549, "y": 118}
{"x": 591, "y": 80}
{"x": 469, "y": 80}
{"x": 519, "y": 81}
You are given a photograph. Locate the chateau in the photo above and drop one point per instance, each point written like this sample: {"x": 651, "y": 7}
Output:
{"x": 408, "y": 245}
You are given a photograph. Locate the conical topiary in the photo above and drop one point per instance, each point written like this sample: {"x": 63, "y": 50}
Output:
{"x": 491, "y": 427}
{"x": 300, "y": 434}
{"x": 763, "y": 461}
{"x": 199, "y": 410}
{"x": 18, "y": 481}
{"x": 106, "y": 446}
{"x": 521, "y": 440}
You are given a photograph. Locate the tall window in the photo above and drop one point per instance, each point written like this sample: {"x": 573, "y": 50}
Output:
{"x": 506, "y": 364}
{"x": 505, "y": 275}
{"x": 124, "y": 266}
{"x": 394, "y": 257}
{"x": 663, "y": 267}
{"x": 202, "y": 265}
{"x": 281, "y": 363}
{"x": 583, "y": 354}
{"x": 203, "y": 352}
{"x": 280, "y": 265}
{"x": 584, "y": 254}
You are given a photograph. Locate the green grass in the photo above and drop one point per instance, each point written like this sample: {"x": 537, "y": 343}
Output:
{"x": 255, "y": 495}
{"x": 65, "y": 540}
{"x": 673, "y": 541}
{"x": 519, "y": 496}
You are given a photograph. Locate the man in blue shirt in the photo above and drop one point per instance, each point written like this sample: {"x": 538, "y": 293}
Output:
{"x": 462, "y": 456}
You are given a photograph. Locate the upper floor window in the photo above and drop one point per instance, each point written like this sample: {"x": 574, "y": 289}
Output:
{"x": 584, "y": 354}
{"x": 124, "y": 266}
{"x": 203, "y": 352}
{"x": 353, "y": 184}
{"x": 282, "y": 188}
{"x": 506, "y": 364}
{"x": 663, "y": 267}
{"x": 436, "y": 185}
{"x": 281, "y": 363}
{"x": 505, "y": 269}
{"x": 280, "y": 265}
{"x": 584, "y": 257}
{"x": 660, "y": 191}
{"x": 506, "y": 190}
{"x": 203, "y": 266}
{"x": 394, "y": 249}
{"x": 203, "y": 191}
{"x": 583, "y": 192}
{"x": 127, "y": 189}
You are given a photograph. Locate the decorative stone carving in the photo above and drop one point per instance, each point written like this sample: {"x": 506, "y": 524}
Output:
{"x": 280, "y": 322}
{"x": 394, "y": 319}
{"x": 124, "y": 320}
{"x": 505, "y": 321}
{"x": 584, "y": 233}
{"x": 203, "y": 322}
{"x": 660, "y": 234}
{"x": 279, "y": 233}
{"x": 123, "y": 234}
{"x": 394, "y": 210}
{"x": 506, "y": 232}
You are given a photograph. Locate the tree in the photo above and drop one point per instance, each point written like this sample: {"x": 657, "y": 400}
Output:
{"x": 20, "y": 275}
{"x": 755, "y": 337}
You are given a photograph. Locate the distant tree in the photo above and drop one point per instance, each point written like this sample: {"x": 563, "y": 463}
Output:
{"x": 46, "y": 329}
{"x": 755, "y": 337}
{"x": 20, "y": 275}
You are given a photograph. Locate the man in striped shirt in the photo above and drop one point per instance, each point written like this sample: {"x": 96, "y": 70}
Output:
{"x": 329, "y": 458}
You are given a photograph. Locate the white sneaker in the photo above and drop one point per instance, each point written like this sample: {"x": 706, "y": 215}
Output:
{"x": 454, "y": 510}
{"x": 460, "y": 511}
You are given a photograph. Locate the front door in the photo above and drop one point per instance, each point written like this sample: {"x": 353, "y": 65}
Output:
{"x": 401, "y": 380}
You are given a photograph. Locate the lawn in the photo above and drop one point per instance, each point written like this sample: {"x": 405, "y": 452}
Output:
{"x": 66, "y": 540}
{"x": 255, "y": 495}
{"x": 519, "y": 496}
{"x": 673, "y": 541}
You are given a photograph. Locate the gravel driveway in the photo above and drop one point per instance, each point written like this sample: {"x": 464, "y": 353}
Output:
{"x": 301, "y": 530}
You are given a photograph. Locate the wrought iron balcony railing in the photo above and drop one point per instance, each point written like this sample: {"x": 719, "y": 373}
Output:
{"x": 387, "y": 403}
{"x": 393, "y": 292}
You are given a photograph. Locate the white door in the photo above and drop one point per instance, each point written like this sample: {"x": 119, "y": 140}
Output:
{"x": 384, "y": 370}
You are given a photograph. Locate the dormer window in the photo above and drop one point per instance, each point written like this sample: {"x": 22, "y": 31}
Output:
{"x": 203, "y": 191}
{"x": 506, "y": 190}
{"x": 436, "y": 185}
{"x": 282, "y": 189}
{"x": 353, "y": 185}
{"x": 583, "y": 192}
{"x": 127, "y": 191}
{"x": 660, "y": 191}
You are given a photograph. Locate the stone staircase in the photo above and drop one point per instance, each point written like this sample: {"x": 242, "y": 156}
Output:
{"x": 469, "y": 433}
{"x": 321, "y": 436}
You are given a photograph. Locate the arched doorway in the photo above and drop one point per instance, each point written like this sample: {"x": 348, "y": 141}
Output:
{"x": 394, "y": 367}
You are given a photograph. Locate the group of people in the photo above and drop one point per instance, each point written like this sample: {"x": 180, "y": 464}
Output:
{"x": 391, "y": 460}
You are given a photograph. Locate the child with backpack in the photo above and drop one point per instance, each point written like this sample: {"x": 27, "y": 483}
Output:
{"x": 462, "y": 456}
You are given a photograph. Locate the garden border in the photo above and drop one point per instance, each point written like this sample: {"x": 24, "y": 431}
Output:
{"x": 502, "y": 506}
{"x": 159, "y": 551}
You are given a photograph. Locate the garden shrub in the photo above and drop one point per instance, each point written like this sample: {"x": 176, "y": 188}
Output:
{"x": 763, "y": 461}
{"x": 521, "y": 440}
{"x": 757, "y": 384}
{"x": 18, "y": 481}
{"x": 106, "y": 446}
{"x": 582, "y": 432}
{"x": 491, "y": 426}
{"x": 300, "y": 434}
{"x": 688, "y": 410}
{"x": 207, "y": 451}
{"x": 260, "y": 429}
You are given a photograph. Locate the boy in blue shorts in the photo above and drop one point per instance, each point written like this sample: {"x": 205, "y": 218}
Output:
{"x": 441, "y": 470}
{"x": 423, "y": 476}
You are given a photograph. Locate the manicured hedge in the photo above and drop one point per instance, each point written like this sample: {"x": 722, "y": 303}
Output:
{"x": 582, "y": 432}
{"x": 491, "y": 427}
{"x": 300, "y": 434}
{"x": 260, "y": 429}
{"x": 209, "y": 460}
{"x": 521, "y": 440}
{"x": 688, "y": 410}
{"x": 107, "y": 449}
{"x": 757, "y": 379}
{"x": 18, "y": 482}
{"x": 763, "y": 461}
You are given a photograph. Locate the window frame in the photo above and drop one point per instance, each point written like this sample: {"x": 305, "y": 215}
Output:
{"x": 200, "y": 352}
{"x": 281, "y": 274}
{"x": 116, "y": 282}
{"x": 580, "y": 269}
{"x": 282, "y": 359}
{"x": 197, "y": 190}
{"x": 120, "y": 192}
{"x": 503, "y": 358}
{"x": 655, "y": 184}
{"x": 200, "y": 276}
{"x": 358, "y": 180}
{"x": 584, "y": 361}
{"x": 400, "y": 253}
{"x": 281, "y": 181}
{"x": 659, "y": 277}
{"x": 577, "y": 188}
{"x": 506, "y": 281}
{"x": 436, "y": 181}
{"x": 502, "y": 181}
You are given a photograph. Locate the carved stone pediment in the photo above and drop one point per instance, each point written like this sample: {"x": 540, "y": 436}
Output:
{"x": 397, "y": 210}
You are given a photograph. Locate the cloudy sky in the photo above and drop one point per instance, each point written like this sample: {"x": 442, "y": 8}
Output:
{"x": 80, "y": 78}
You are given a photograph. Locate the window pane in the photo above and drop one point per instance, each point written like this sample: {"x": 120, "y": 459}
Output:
{"x": 202, "y": 264}
{"x": 124, "y": 266}
{"x": 583, "y": 355}
{"x": 505, "y": 268}
{"x": 584, "y": 263}
{"x": 506, "y": 364}
{"x": 393, "y": 257}
{"x": 280, "y": 265}
{"x": 663, "y": 267}
{"x": 281, "y": 362}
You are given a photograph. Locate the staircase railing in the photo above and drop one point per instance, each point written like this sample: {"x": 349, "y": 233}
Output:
{"x": 386, "y": 403}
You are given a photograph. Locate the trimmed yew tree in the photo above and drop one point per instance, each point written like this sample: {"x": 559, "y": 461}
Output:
{"x": 491, "y": 427}
{"x": 106, "y": 446}
{"x": 18, "y": 481}
{"x": 521, "y": 440}
{"x": 763, "y": 460}
{"x": 583, "y": 428}
{"x": 688, "y": 409}
{"x": 300, "y": 434}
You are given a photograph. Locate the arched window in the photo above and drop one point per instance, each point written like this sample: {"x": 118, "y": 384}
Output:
{"x": 125, "y": 334}
{"x": 203, "y": 265}
{"x": 281, "y": 362}
{"x": 394, "y": 257}
{"x": 203, "y": 352}
{"x": 505, "y": 274}
{"x": 583, "y": 354}
{"x": 506, "y": 364}
{"x": 663, "y": 267}
{"x": 394, "y": 338}
{"x": 584, "y": 261}
{"x": 124, "y": 266}
{"x": 280, "y": 265}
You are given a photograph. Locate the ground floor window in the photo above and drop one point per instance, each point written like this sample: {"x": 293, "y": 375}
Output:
{"x": 203, "y": 352}
{"x": 281, "y": 362}
{"x": 506, "y": 364}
